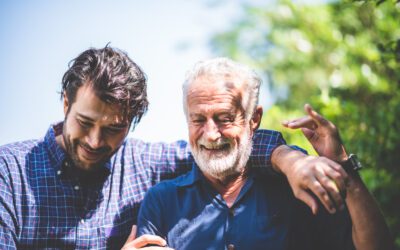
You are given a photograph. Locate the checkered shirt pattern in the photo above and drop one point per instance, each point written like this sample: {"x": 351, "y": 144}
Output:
{"x": 44, "y": 205}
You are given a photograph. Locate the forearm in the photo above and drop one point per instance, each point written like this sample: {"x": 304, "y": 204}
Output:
{"x": 369, "y": 227}
{"x": 283, "y": 157}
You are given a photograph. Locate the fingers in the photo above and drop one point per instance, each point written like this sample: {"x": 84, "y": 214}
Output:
{"x": 339, "y": 176}
{"x": 312, "y": 121}
{"x": 309, "y": 200}
{"x": 157, "y": 248}
{"x": 332, "y": 178}
{"x": 325, "y": 179}
{"x": 314, "y": 115}
{"x": 331, "y": 196}
{"x": 145, "y": 240}
{"x": 147, "y": 248}
{"x": 132, "y": 235}
{"x": 302, "y": 122}
{"x": 323, "y": 196}
{"x": 308, "y": 133}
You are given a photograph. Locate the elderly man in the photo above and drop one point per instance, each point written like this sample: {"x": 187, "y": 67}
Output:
{"x": 224, "y": 203}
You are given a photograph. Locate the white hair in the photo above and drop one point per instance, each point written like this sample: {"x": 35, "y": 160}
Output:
{"x": 224, "y": 67}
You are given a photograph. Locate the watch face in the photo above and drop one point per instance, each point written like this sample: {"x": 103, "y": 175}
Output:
{"x": 356, "y": 164}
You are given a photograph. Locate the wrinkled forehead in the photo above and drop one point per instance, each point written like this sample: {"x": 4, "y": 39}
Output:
{"x": 224, "y": 92}
{"x": 226, "y": 82}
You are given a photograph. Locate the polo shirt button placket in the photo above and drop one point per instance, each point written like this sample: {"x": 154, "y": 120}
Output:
{"x": 232, "y": 212}
{"x": 231, "y": 247}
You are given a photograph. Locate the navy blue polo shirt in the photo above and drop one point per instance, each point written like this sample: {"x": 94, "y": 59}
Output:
{"x": 191, "y": 214}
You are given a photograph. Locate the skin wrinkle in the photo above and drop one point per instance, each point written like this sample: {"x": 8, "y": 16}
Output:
{"x": 209, "y": 104}
{"x": 231, "y": 90}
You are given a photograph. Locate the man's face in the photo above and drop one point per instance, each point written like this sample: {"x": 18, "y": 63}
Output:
{"x": 219, "y": 135}
{"x": 93, "y": 130}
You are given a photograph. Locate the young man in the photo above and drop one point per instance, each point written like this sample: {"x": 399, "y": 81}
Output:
{"x": 81, "y": 186}
{"x": 226, "y": 203}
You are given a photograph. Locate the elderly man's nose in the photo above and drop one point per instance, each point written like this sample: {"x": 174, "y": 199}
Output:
{"x": 211, "y": 131}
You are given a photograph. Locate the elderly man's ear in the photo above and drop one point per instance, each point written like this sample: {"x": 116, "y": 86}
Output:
{"x": 256, "y": 118}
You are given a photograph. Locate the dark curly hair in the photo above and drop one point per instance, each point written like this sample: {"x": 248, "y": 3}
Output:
{"x": 114, "y": 77}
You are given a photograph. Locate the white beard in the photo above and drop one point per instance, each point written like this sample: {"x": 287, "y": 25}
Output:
{"x": 226, "y": 162}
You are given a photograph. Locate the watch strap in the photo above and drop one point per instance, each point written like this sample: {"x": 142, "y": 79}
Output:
{"x": 352, "y": 164}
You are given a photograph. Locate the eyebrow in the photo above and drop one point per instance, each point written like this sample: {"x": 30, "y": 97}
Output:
{"x": 195, "y": 115}
{"x": 115, "y": 125}
{"x": 85, "y": 117}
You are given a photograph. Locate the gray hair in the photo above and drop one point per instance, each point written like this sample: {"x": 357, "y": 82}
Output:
{"x": 223, "y": 67}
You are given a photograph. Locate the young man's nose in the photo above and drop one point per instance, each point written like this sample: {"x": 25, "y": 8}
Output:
{"x": 94, "y": 139}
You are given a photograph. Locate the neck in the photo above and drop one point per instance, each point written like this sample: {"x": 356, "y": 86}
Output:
{"x": 229, "y": 187}
{"x": 60, "y": 141}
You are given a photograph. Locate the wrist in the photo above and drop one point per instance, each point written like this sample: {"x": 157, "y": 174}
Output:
{"x": 351, "y": 165}
{"x": 343, "y": 156}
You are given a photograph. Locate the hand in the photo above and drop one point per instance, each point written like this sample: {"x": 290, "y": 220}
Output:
{"x": 133, "y": 243}
{"x": 311, "y": 174}
{"x": 321, "y": 133}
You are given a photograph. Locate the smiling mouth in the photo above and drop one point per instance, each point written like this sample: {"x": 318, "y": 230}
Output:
{"x": 90, "y": 154}
{"x": 215, "y": 148}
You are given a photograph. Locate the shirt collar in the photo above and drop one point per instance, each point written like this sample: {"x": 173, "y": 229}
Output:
{"x": 57, "y": 152}
{"x": 196, "y": 175}
{"x": 190, "y": 178}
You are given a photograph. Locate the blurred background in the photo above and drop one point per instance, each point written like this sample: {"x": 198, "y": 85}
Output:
{"x": 343, "y": 57}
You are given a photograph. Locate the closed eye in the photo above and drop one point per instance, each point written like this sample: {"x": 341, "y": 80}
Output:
{"x": 197, "y": 120}
{"x": 225, "y": 119}
{"x": 84, "y": 123}
{"x": 113, "y": 130}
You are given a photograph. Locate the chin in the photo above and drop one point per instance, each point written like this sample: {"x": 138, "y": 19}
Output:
{"x": 87, "y": 165}
{"x": 216, "y": 166}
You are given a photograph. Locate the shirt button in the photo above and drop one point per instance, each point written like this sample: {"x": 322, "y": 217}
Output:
{"x": 82, "y": 221}
{"x": 76, "y": 187}
{"x": 59, "y": 172}
{"x": 231, "y": 247}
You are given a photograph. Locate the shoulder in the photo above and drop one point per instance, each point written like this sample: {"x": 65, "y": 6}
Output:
{"x": 142, "y": 146}
{"x": 168, "y": 189}
{"x": 17, "y": 154}
{"x": 20, "y": 149}
{"x": 267, "y": 133}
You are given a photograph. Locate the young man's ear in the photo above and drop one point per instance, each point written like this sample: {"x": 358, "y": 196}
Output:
{"x": 256, "y": 118}
{"x": 66, "y": 103}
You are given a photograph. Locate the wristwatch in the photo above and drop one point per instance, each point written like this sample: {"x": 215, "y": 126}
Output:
{"x": 352, "y": 164}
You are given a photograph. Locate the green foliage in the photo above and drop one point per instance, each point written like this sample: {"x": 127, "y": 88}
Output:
{"x": 343, "y": 58}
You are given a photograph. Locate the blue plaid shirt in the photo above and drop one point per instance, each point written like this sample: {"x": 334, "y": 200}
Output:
{"x": 46, "y": 203}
